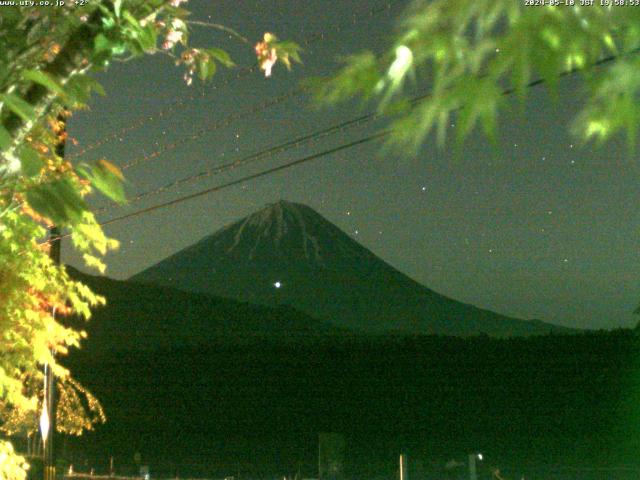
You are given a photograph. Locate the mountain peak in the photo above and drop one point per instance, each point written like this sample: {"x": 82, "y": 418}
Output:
{"x": 286, "y": 231}
{"x": 287, "y": 253}
{"x": 280, "y": 206}
{"x": 279, "y": 218}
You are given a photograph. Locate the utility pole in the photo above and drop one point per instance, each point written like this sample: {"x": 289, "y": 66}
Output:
{"x": 403, "y": 467}
{"x": 50, "y": 381}
{"x": 472, "y": 465}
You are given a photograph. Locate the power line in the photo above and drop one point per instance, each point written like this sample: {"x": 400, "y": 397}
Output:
{"x": 263, "y": 173}
{"x": 269, "y": 153}
{"x": 227, "y": 121}
{"x": 248, "y": 177}
{"x": 315, "y": 156}
{"x": 244, "y": 72}
{"x": 222, "y": 123}
{"x": 309, "y": 138}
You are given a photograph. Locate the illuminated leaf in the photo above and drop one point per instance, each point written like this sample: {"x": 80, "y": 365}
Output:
{"x": 117, "y": 7}
{"x": 80, "y": 87}
{"x": 31, "y": 161}
{"x": 220, "y": 56}
{"x": 147, "y": 38}
{"x": 102, "y": 43}
{"x": 106, "y": 177}
{"x": 206, "y": 68}
{"x": 58, "y": 200}
{"x": 5, "y": 138}
{"x": 45, "y": 80}
{"x": 18, "y": 106}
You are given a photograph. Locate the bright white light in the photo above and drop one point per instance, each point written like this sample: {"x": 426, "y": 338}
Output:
{"x": 13, "y": 164}
{"x": 44, "y": 422}
{"x": 277, "y": 284}
{"x": 479, "y": 456}
{"x": 402, "y": 63}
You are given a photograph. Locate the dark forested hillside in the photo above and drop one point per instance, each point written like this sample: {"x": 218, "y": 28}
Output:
{"x": 151, "y": 317}
{"x": 548, "y": 400}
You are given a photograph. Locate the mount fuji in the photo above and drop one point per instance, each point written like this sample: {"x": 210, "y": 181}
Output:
{"x": 288, "y": 254}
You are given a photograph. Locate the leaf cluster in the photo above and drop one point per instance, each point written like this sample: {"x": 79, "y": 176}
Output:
{"x": 47, "y": 57}
{"x": 12, "y": 465}
{"x": 39, "y": 188}
{"x": 463, "y": 56}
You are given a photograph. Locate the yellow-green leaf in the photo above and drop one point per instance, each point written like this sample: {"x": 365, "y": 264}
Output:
{"x": 58, "y": 200}
{"x": 106, "y": 177}
{"x": 45, "y": 80}
{"x": 30, "y": 161}
{"x": 5, "y": 139}
{"x": 18, "y": 106}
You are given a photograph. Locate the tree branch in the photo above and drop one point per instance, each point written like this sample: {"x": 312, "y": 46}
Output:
{"x": 223, "y": 28}
{"x": 72, "y": 59}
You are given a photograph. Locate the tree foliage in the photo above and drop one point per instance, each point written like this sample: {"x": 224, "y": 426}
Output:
{"x": 12, "y": 466}
{"x": 47, "y": 57}
{"x": 462, "y": 56}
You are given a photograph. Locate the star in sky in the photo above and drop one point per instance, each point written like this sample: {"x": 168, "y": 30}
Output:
{"x": 479, "y": 174}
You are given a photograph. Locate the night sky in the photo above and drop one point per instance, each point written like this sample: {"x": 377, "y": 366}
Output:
{"x": 539, "y": 228}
